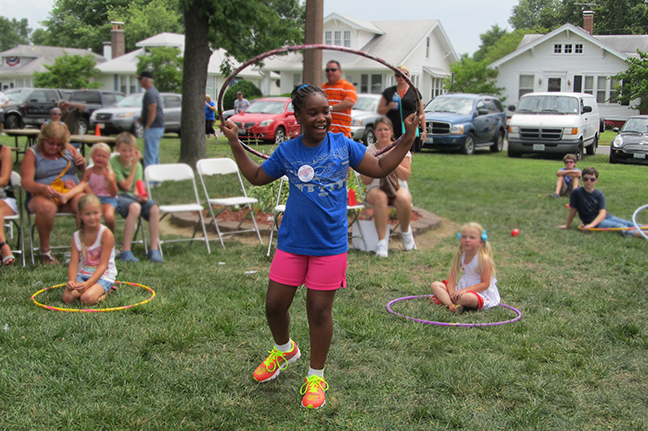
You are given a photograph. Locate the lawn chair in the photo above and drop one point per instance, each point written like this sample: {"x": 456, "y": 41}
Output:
{"x": 176, "y": 172}
{"x": 16, "y": 220}
{"x": 279, "y": 209}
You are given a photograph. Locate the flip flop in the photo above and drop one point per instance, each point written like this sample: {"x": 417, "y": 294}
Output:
{"x": 51, "y": 259}
{"x": 7, "y": 258}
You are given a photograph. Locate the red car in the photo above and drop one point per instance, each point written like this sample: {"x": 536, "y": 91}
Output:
{"x": 270, "y": 119}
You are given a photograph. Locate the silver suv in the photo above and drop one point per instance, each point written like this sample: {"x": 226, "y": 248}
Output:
{"x": 363, "y": 116}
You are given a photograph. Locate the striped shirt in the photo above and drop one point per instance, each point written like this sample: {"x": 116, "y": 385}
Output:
{"x": 336, "y": 93}
{"x": 99, "y": 185}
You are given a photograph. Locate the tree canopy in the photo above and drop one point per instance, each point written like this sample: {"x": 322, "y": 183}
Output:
{"x": 635, "y": 82}
{"x": 166, "y": 65}
{"x": 69, "y": 71}
{"x": 13, "y": 33}
{"x": 470, "y": 76}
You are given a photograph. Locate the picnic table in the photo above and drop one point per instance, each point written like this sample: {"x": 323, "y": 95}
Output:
{"x": 90, "y": 140}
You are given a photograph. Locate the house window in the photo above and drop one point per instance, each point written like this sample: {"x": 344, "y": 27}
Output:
{"x": 376, "y": 84}
{"x": 347, "y": 39}
{"x": 614, "y": 90}
{"x": 427, "y": 48}
{"x": 364, "y": 83}
{"x": 210, "y": 88}
{"x": 557, "y": 48}
{"x": 578, "y": 83}
{"x": 338, "y": 38}
{"x": 328, "y": 39}
{"x": 578, "y": 48}
{"x": 526, "y": 85}
{"x": 589, "y": 85}
{"x": 600, "y": 89}
{"x": 568, "y": 48}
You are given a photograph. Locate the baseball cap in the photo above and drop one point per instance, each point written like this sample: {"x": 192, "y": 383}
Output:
{"x": 145, "y": 74}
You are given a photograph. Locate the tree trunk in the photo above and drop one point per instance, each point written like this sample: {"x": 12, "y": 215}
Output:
{"x": 194, "y": 81}
{"x": 314, "y": 35}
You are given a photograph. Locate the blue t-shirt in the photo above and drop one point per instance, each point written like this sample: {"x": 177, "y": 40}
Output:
{"x": 567, "y": 177}
{"x": 209, "y": 114}
{"x": 587, "y": 204}
{"x": 152, "y": 96}
{"x": 315, "y": 222}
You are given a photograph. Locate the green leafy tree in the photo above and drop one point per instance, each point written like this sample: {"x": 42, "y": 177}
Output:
{"x": 470, "y": 76}
{"x": 489, "y": 39}
{"x": 69, "y": 71}
{"x": 166, "y": 65}
{"x": 13, "y": 33}
{"x": 621, "y": 17}
{"x": 244, "y": 28}
{"x": 635, "y": 82}
{"x": 249, "y": 90}
{"x": 509, "y": 43}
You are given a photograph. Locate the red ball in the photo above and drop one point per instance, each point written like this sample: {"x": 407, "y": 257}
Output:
{"x": 566, "y": 205}
{"x": 515, "y": 232}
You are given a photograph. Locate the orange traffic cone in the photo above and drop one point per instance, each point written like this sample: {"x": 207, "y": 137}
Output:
{"x": 97, "y": 130}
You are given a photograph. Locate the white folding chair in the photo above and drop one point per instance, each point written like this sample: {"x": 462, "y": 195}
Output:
{"x": 16, "y": 220}
{"x": 176, "y": 172}
{"x": 31, "y": 227}
{"x": 225, "y": 166}
{"x": 278, "y": 209}
{"x": 357, "y": 210}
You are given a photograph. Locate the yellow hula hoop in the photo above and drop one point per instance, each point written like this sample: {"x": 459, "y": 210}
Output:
{"x": 90, "y": 310}
{"x": 612, "y": 229}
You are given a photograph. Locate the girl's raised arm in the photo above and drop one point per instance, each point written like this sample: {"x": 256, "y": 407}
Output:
{"x": 250, "y": 169}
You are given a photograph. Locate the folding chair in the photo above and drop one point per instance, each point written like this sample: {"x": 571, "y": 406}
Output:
{"x": 278, "y": 209}
{"x": 225, "y": 166}
{"x": 16, "y": 220}
{"x": 31, "y": 227}
{"x": 176, "y": 172}
{"x": 357, "y": 210}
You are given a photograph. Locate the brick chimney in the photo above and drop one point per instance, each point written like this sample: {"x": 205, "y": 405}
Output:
{"x": 117, "y": 39}
{"x": 588, "y": 21}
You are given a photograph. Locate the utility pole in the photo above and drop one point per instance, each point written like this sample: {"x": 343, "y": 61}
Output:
{"x": 312, "y": 72}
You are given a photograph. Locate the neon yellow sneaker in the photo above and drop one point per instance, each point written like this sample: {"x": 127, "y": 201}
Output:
{"x": 275, "y": 362}
{"x": 313, "y": 392}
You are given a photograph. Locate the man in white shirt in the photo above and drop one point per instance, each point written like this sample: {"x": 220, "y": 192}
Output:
{"x": 3, "y": 102}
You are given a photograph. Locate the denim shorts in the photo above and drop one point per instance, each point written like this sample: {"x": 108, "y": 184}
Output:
{"x": 108, "y": 200}
{"x": 101, "y": 282}
{"x": 125, "y": 200}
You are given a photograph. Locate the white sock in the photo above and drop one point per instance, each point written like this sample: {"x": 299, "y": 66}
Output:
{"x": 409, "y": 231}
{"x": 312, "y": 372}
{"x": 285, "y": 347}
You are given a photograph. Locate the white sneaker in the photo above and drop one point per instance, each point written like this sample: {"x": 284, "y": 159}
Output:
{"x": 381, "y": 247}
{"x": 408, "y": 240}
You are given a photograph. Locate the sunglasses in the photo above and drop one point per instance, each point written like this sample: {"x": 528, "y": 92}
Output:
{"x": 592, "y": 179}
{"x": 569, "y": 162}
{"x": 58, "y": 114}
{"x": 331, "y": 70}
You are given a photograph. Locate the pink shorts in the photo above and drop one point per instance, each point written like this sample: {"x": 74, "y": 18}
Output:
{"x": 316, "y": 272}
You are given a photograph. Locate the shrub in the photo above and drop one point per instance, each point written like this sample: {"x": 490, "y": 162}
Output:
{"x": 249, "y": 90}
{"x": 609, "y": 125}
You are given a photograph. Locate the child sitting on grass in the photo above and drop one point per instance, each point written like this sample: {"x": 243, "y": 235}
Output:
{"x": 477, "y": 287}
{"x": 567, "y": 177}
{"x": 590, "y": 205}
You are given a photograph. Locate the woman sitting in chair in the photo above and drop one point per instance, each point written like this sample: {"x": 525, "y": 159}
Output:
{"x": 7, "y": 202}
{"x": 390, "y": 191}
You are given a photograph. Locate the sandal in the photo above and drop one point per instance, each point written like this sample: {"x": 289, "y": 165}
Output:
{"x": 51, "y": 260}
{"x": 8, "y": 259}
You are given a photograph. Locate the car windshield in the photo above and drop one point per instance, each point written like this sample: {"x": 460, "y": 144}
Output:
{"x": 639, "y": 125}
{"x": 17, "y": 95}
{"x": 548, "y": 104}
{"x": 366, "y": 104}
{"x": 131, "y": 101}
{"x": 266, "y": 107}
{"x": 455, "y": 105}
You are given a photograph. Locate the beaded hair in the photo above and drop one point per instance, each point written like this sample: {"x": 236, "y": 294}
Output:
{"x": 302, "y": 92}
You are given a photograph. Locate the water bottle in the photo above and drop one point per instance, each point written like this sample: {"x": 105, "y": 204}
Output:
{"x": 396, "y": 99}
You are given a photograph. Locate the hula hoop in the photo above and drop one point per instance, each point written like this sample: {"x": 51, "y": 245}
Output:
{"x": 634, "y": 221}
{"x": 615, "y": 229}
{"x": 465, "y": 325}
{"x": 89, "y": 310}
{"x": 304, "y": 48}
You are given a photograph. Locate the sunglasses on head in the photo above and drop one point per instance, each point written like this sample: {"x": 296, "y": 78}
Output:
{"x": 331, "y": 70}
{"x": 592, "y": 179}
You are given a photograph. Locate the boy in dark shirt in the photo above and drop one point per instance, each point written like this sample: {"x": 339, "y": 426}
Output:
{"x": 590, "y": 205}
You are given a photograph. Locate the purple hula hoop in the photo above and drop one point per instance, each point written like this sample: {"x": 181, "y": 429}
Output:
{"x": 303, "y": 48}
{"x": 429, "y": 322}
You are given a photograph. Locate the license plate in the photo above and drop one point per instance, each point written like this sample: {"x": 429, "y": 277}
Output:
{"x": 242, "y": 132}
{"x": 101, "y": 125}
{"x": 639, "y": 155}
{"x": 429, "y": 140}
{"x": 538, "y": 147}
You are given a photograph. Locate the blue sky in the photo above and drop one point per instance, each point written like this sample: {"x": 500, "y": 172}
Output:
{"x": 463, "y": 20}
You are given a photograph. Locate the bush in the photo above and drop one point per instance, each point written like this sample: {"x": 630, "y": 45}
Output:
{"x": 609, "y": 125}
{"x": 249, "y": 90}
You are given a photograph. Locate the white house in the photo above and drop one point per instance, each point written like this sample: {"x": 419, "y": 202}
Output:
{"x": 570, "y": 58}
{"x": 17, "y": 65}
{"x": 421, "y": 45}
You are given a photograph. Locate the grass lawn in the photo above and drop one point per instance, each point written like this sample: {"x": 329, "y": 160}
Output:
{"x": 606, "y": 137}
{"x": 577, "y": 360}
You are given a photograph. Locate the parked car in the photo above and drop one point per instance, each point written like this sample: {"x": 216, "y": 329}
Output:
{"x": 122, "y": 117}
{"x": 270, "y": 119}
{"x": 631, "y": 143}
{"x": 465, "y": 122}
{"x": 363, "y": 117}
{"x": 29, "y": 106}
{"x": 93, "y": 100}
{"x": 555, "y": 122}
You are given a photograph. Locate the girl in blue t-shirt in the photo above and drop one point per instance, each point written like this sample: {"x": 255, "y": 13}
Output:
{"x": 210, "y": 116}
{"x": 313, "y": 237}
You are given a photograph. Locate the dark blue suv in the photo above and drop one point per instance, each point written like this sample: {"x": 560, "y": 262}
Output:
{"x": 464, "y": 122}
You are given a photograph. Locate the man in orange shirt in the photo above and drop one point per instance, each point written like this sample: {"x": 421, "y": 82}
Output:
{"x": 341, "y": 96}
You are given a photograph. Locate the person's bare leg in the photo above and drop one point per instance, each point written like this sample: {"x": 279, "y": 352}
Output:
{"x": 278, "y": 300}
{"x": 319, "y": 305}
{"x": 440, "y": 290}
{"x": 378, "y": 199}
{"x": 559, "y": 183}
{"x": 44, "y": 210}
{"x": 403, "y": 205}
{"x": 109, "y": 216}
{"x": 154, "y": 227}
{"x": 130, "y": 225}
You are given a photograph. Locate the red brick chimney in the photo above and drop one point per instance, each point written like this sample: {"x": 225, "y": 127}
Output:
{"x": 117, "y": 39}
{"x": 588, "y": 21}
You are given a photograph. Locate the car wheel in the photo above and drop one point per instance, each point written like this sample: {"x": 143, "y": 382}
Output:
{"x": 498, "y": 143}
{"x": 83, "y": 126}
{"x": 469, "y": 146}
{"x": 13, "y": 122}
{"x": 579, "y": 154}
{"x": 280, "y": 135}
{"x": 591, "y": 150}
{"x": 612, "y": 159}
{"x": 369, "y": 136}
{"x": 138, "y": 130}
{"x": 417, "y": 146}
{"x": 514, "y": 154}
